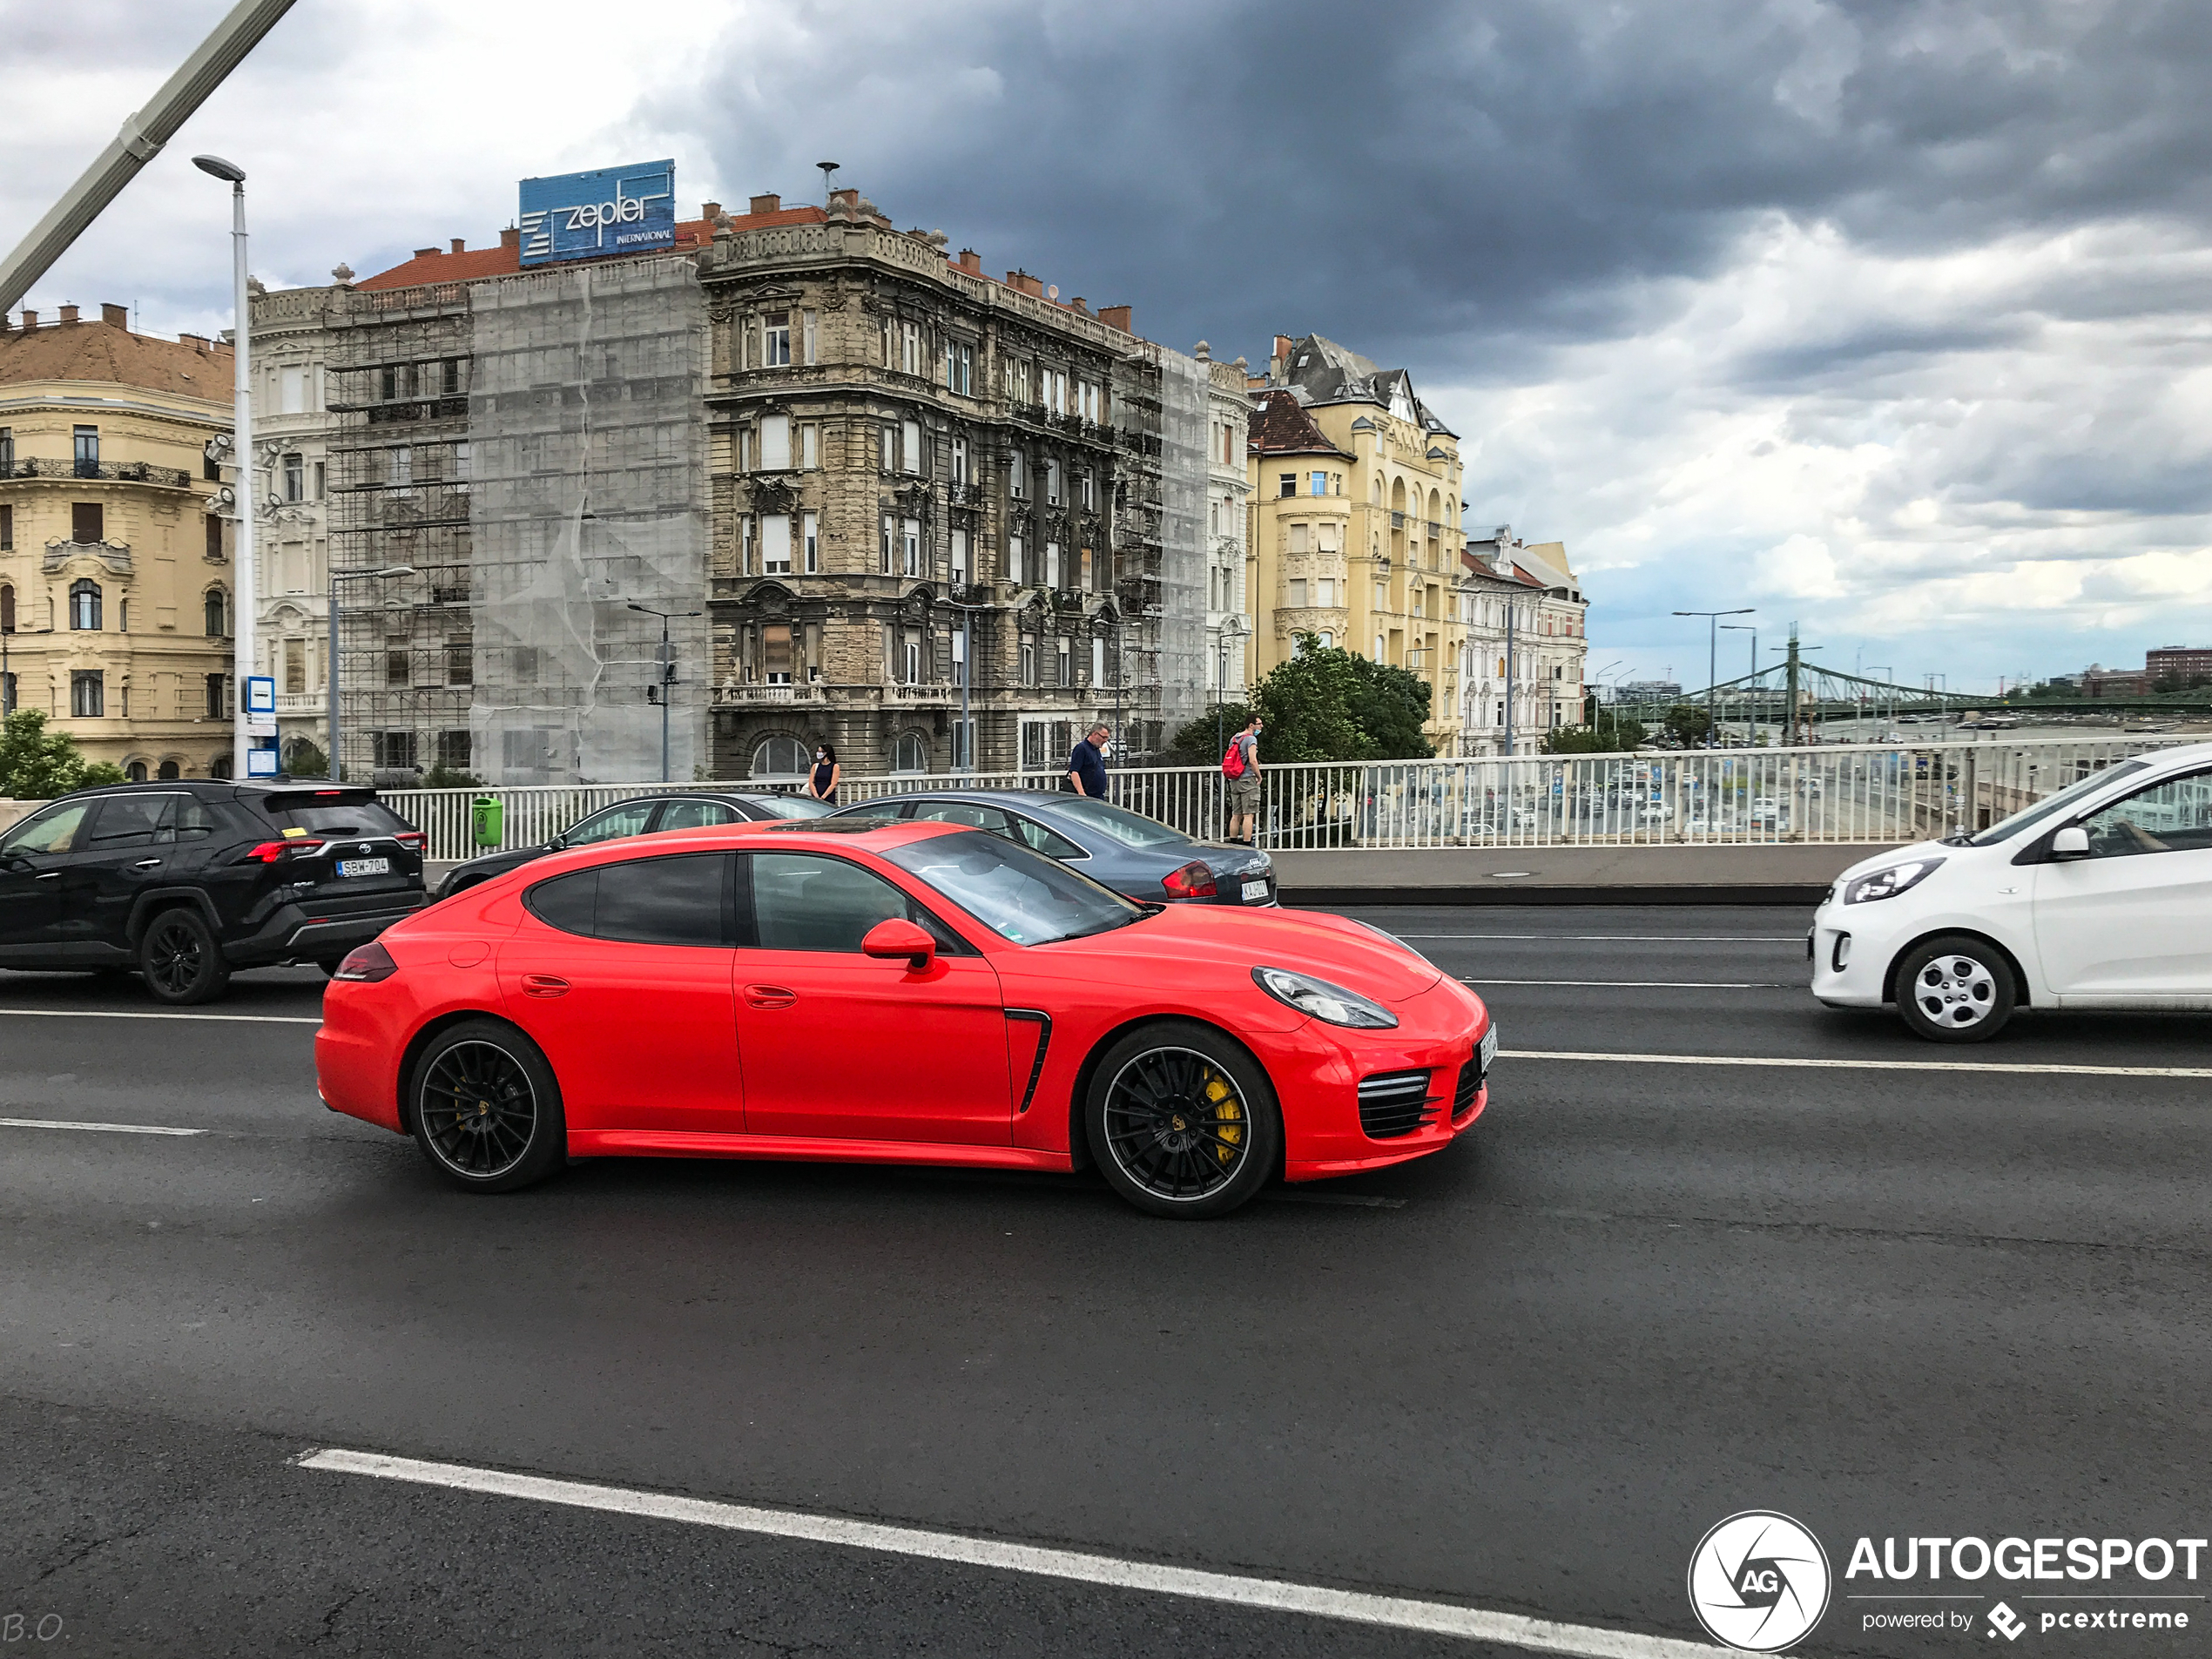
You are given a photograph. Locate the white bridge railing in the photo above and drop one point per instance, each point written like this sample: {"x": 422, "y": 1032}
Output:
{"x": 1872, "y": 793}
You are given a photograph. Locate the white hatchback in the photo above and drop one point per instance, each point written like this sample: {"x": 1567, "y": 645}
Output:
{"x": 2097, "y": 897}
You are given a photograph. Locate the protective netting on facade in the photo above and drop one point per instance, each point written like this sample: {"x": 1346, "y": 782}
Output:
{"x": 1182, "y": 595}
{"x": 587, "y": 445}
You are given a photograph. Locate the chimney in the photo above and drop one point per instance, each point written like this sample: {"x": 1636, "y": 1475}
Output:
{"x": 850, "y": 197}
{"x": 115, "y": 317}
{"x": 971, "y": 261}
{"x": 764, "y": 205}
{"x": 69, "y": 314}
{"x": 1027, "y": 283}
{"x": 426, "y": 253}
{"x": 512, "y": 237}
{"x": 710, "y": 211}
{"x": 1076, "y": 304}
{"x": 1282, "y": 348}
{"x": 198, "y": 342}
{"x": 1118, "y": 317}
{"x": 30, "y": 318}
{"x": 460, "y": 246}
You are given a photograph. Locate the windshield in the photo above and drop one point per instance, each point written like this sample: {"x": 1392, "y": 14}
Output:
{"x": 2050, "y": 805}
{"x": 792, "y": 805}
{"x": 1129, "y": 829}
{"x": 1018, "y": 894}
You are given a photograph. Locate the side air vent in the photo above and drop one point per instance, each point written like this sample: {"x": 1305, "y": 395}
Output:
{"x": 1393, "y": 1103}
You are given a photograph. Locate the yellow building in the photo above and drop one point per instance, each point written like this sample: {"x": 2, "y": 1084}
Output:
{"x": 114, "y": 578}
{"x": 1356, "y": 503}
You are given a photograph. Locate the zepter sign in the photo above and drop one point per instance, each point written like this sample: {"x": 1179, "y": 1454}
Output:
{"x": 1759, "y": 1582}
{"x": 611, "y": 210}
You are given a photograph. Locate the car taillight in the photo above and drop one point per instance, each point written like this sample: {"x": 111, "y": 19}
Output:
{"x": 371, "y": 962}
{"x": 414, "y": 841}
{"x": 270, "y": 851}
{"x": 1193, "y": 881}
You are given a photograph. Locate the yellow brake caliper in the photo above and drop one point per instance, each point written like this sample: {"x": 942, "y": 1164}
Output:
{"x": 1227, "y": 1114}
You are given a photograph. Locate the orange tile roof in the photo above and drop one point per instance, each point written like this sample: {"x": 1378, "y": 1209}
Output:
{"x": 473, "y": 265}
{"x": 101, "y": 351}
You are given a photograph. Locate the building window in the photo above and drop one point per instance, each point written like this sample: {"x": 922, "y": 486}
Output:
{"x": 1014, "y": 558}
{"x": 910, "y": 447}
{"x": 959, "y": 557}
{"x": 399, "y": 666}
{"x": 7, "y": 609}
{"x": 1084, "y": 573}
{"x": 403, "y": 474}
{"x": 215, "y": 538}
{"x": 7, "y": 451}
{"x": 909, "y": 754}
{"x": 884, "y": 563}
{"x": 887, "y": 342}
{"x": 460, "y": 662}
{"x": 775, "y": 443}
{"x": 910, "y": 547}
{"x": 1098, "y": 661}
{"x": 7, "y": 528}
{"x": 1287, "y": 484}
{"x": 960, "y": 463}
{"x": 455, "y": 749}
{"x": 214, "y": 705}
{"x": 215, "y": 610}
{"x": 888, "y": 453}
{"x": 1028, "y": 659}
{"x": 910, "y": 348}
{"x": 1067, "y": 665}
{"x": 810, "y": 447}
{"x": 88, "y": 451}
{"x": 394, "y": 751}
{"x": 810, "y": 525}
{"x": 1017, "y": 482}
{"x": 87, "y": 522}
{"x": 8, "y": 692}
{"x": 910, "y": 662}
{"x": 966, "y": 371}
{"x": 85, "y": 605}
{"x": 295, "y": 665}
{"x": 1297, "y": 592}
{"x": 1052, "y": 565}
{"x": 807, "y": 336}
{"x": 775, "y": 544}
{"x": 1052, "y": 484}
{"x": 322, "y": 470}
{"x": 775, "y": 339}
{"x": 1087, "y": 400}
{"x": 1320, "y": 483}
{"x": 87, "y": 694}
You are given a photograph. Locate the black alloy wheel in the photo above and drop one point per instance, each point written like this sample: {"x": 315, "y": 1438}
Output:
{"x": 1183, "y": 1122}
{"x": 180, "y": 960}
{"x": 487, "y": 1112}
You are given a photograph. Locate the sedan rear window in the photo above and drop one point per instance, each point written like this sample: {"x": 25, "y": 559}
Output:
{"x": 334, "y": 811}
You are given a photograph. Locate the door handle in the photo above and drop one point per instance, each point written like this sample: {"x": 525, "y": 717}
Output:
{"x": 52, "y": 875}
{"x": 145, "y": 864}
{"x": 769, "y": 996}
{"x": 544, "y": 985}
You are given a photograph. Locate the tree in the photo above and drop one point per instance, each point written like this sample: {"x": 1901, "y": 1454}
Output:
{"x": 1324, "y": 703}
{"x": 304, "y": 758}
{"x": 1610, "y": 733}
{"x": 1688, "y": 724}
{"x": 37, "y": 764}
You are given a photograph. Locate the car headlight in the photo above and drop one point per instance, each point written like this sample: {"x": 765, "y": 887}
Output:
{"x": 1324, "y": 1001}
{"x": 1887, "y": 884}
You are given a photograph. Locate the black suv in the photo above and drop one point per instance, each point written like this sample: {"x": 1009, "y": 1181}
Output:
{"x": 185, "y": 881}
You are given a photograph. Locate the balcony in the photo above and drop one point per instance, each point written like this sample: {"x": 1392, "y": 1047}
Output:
{"x": 116, "y": 555}
{"x": 300, "y": 703}
{"x": 921, "y": 694}
{"x": 736, "y": 694}
{"x": 124, "y": 472}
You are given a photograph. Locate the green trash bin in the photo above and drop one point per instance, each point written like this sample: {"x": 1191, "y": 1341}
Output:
{"x": 488, "y": 817}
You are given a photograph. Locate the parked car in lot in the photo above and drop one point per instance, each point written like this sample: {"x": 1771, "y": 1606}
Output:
{"x": 1138, "y": 857}
{"x": 641, "y": 815}
{"x": 1766, "y": 812}
{"x": 185, "y": 881}
{"x": 2098, "y": 896}
{"x": 914, "y": 992}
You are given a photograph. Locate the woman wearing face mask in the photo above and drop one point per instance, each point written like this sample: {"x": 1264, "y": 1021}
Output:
{"x": 821, "y": 783}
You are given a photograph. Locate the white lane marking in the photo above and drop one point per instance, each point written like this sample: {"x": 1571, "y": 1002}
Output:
{"x": 1654, "y": 984}
{"x": 160, "y": 1013}
{"x": 1854, "y": 1065}
{"x": 1439, "y": 1618}
{"x": 104, "y": 1129}
{"x": 1672, "y": 939}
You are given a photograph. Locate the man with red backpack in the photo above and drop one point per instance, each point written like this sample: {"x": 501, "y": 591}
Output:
{"x": 1240, "y": 777}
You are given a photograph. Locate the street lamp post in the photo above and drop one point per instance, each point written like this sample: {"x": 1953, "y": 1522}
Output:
{"x": 966, "y": 742}
{"x": 1712, "y": 655}
{"x": 330, "y": 655}
{"x": 242, "y": 441}
{"x": 1751, "y": 692}
{"x": 667, "y": 673}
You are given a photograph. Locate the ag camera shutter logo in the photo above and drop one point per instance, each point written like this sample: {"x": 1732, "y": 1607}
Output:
{"x": 1759, "y": 1582}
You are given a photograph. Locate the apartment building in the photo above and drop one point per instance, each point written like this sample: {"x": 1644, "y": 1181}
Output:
{"x": 1229, "y": 581}
{"x": 1526, "y": 648}
{"x": 115, "y": 568}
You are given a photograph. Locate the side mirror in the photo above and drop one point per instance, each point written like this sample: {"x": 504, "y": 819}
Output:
{"x": 558, "y": 844}
{"x": 899, "y": 937}
{"x": 2071, "y": 842}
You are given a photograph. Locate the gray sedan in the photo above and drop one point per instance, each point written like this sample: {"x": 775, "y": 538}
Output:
{"x": 1135, "y": 855}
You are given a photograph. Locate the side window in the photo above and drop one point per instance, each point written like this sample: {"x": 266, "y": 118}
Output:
{"x": 645, "y": 901}
{"x": 194, "y": 820}
{"x": 630, "y": 818}
{"x": 2175, "y": 816}
{"x": 692, "y": 814}
{"x": 805, "y": 902}
{"x": 962, "y": 812}
{"x": 52, "y": 830}
{"x": 1037, "y": 838}
{"x": 127, "y": 821}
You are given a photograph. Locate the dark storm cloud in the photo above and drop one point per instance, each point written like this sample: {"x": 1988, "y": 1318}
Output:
{"x": 1496, "y": 176}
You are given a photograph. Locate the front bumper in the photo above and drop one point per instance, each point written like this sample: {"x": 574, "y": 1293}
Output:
{"x": 1867, "y": 940}
{"x": 1440, "y": 1031}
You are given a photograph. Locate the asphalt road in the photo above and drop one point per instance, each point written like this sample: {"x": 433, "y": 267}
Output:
{"x": 1525, "y": 1375}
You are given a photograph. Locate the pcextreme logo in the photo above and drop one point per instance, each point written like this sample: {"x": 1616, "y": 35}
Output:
{"x": 1759, "y": 1582}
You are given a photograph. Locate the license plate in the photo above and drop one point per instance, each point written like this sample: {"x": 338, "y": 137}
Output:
{"x": 1255, "y": 890}
{"x": 364, "y": 866}
{"x": 1489, "y": 1047}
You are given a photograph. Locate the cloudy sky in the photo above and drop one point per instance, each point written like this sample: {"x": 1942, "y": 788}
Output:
{"x": 1891, "y": 318}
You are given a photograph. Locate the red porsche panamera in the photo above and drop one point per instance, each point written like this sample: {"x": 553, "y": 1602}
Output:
{"x": 845, "y": 989}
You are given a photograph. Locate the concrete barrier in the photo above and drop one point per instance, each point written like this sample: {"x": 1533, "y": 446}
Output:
{"x": 1787, "y": 873}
